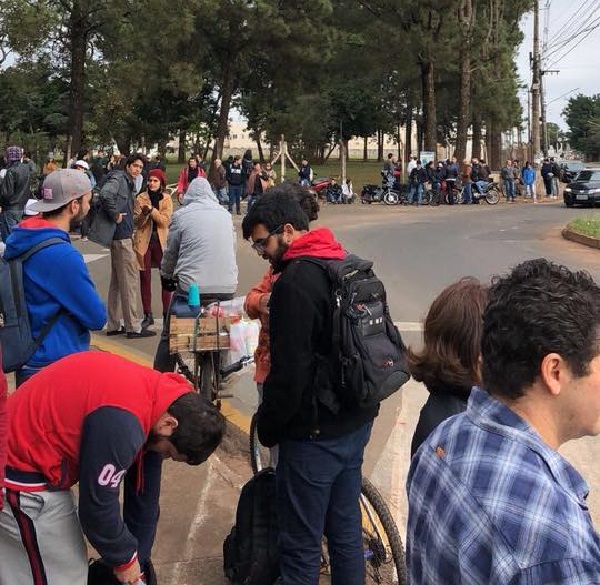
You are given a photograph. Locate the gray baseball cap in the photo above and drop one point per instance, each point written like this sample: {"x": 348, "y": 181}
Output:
{"x": 60, "y": 187}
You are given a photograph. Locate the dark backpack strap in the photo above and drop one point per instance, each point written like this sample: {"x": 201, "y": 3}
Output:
{"x": 50, "y": 323}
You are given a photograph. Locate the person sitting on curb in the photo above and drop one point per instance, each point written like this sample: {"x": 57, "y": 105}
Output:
{"x": 98, "y": 420}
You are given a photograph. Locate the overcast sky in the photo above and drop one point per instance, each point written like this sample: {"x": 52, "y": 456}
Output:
{"x": 580, "y": 68}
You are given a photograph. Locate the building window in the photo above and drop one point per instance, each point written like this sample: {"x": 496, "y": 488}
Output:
{"x": 234, "y": 137}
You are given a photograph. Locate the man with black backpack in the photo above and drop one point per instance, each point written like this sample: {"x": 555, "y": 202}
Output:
{"x": 323, "y": 391}
{"x": 41, "y": 266}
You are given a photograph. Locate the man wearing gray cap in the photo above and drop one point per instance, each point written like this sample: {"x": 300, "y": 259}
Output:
{"x": 14, "y": 190}
{"x": 57, "y": 284}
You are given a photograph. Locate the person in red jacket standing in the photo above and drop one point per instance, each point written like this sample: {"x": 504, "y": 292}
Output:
{"x": 88, "y": 419}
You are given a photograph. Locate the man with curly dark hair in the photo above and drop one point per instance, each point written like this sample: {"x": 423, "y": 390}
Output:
{"x": 490, "y": 498}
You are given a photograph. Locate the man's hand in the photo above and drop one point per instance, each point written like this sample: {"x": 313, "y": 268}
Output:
{"x": 263, "y": 305}
{"x": 120, "y": 217}
{"x": 131, "y": 575}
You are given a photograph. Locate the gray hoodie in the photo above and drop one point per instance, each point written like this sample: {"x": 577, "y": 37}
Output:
{"x": 201, "y": 246}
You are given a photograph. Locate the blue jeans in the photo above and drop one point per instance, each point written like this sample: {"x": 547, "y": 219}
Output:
{"x": 467, "y": 193}
{"x": 418, "y": 189}
{"x": 480, "y": 186}
{"x": 318, "y": 489}
{"x": 509, "y": 189}
{"x": 8, "y": 221}
{"x": 235, "y": 196}
{"x": 221, "y": 194}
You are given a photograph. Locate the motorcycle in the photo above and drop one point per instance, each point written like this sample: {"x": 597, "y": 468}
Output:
{"x": 489, "y": 192}
{"x": 389, "y": 192}
{"x": 320, "y": 186}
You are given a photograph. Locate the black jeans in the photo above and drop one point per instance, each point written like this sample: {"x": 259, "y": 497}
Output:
{"x": 163, "y": 360}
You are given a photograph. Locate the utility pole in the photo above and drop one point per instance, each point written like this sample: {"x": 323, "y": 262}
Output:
{"x": 545, "y": 144}
{"x": 535, "y": 85}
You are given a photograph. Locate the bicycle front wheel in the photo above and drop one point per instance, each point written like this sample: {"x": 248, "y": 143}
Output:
{"x": 259, "y": 455}
{"x": 384, "y": 554}
{"x": 207, "y": 378}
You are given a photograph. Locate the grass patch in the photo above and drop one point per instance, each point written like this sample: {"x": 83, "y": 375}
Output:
{"x": 586, "y": 226}
{"x": 360, "y": 172}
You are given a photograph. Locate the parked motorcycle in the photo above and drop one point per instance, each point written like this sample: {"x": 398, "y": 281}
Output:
{"x": 489, "y": 192}
{"x": 389, "y": 192}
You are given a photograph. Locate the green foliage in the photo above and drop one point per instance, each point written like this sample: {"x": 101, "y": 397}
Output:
{"x": 582, "y": 115}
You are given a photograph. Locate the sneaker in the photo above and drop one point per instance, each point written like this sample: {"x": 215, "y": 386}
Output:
{"x": 140, "y": 334}
{"x": 118, "y": 331}
{"x": 148, "y": 320}
{"x": 84, "y": 239}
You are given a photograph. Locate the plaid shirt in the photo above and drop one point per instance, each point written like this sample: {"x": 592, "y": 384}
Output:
{"x": 491, "y": 503}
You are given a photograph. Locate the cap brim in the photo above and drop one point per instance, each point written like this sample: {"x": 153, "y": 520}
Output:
{"x": 43, "y": 206}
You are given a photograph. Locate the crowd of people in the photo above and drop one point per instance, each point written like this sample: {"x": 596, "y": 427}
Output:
{"x": 490, "y": 498}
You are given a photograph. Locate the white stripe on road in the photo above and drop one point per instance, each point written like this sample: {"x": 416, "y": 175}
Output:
{"x": 87, "y": 258}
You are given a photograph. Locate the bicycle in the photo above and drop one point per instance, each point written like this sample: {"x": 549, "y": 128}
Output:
{"x": 199, "y": 344}
{"x": 382, "y": 545}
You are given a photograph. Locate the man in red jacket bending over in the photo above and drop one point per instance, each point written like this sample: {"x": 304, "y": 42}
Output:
{"x": 89, "y": 418}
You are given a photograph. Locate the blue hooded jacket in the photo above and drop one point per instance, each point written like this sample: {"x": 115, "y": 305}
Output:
{"x": 56, "y": 278}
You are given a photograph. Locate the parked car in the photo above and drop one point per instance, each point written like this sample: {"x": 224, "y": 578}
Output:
{"x": 584, "y": 190}
{"x": 569, "y": 169}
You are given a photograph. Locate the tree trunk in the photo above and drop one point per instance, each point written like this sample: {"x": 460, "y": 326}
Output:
{"x": 226, "y": 94}
{"x": 181, "y": 155}
{"x": 78, "y": 33}
{"x": 465, "y": 23}
{"x": 365, "y": 148}
{"x": 331, "y": 149}
{"x": 408, "y": 129}
{"x": 476, "y": 140}
{"x": 495, "y": 147}
{"x": 261, "y": 156}
{"x": 429, "y": 113}
{"x": 124, "y": 143}
{"x": 380, "y": 136}
{"x": 399, "y": 140}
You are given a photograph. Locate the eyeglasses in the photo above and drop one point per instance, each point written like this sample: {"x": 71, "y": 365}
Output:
{"x": 260, "y": 245}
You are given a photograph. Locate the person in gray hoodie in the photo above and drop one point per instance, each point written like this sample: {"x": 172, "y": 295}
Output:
{"x": 201, "y": 248}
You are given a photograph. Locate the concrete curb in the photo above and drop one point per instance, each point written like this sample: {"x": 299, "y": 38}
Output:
{"x": 588, "y": 241}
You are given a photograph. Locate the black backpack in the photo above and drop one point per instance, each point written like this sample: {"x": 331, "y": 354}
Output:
{"x": 250, "y": 552}
{"x": 367, "y": 362}
{"x": 15, "y": 327}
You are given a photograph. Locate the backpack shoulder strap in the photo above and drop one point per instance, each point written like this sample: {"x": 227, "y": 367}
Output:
{"x": 39, "y": 246}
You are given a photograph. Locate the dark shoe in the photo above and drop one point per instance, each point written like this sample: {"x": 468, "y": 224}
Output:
{"x": 140, "y": 334}
{"x": 148, "y": 320}
{"x": 118, "y": 331}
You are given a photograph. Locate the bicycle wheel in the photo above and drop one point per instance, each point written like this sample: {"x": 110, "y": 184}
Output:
{"x": 384, "y": 554}
{"x": 259, "y": 455}
{"x": 426, "y": 199}
{"x": 207, "y": 382}
{"x": 451, "y": 197}
{"x": 434, "y": 198}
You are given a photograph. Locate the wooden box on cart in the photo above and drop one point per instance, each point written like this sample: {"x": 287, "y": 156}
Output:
{"x": 212, "y": 333}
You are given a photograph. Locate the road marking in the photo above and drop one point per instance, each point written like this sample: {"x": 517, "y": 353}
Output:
{"x": 87, "y": 258}
{"x": 198, "y": 520}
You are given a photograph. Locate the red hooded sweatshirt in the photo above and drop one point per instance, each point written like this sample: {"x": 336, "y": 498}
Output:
{"x": 86, "y": 419}
{"x": 319, "y": 243}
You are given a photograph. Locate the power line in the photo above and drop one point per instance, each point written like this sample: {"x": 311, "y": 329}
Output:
{"x": 590, "y": 27}
{"x": 568, "y": 27}
{"x": 579, "y": 41}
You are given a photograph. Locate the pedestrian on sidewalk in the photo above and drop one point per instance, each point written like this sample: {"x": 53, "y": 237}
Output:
{"x": 508, "y": 181}
{"x": 113, "y": 228}
{"x": 14, "y": 191}
{"x": 152, "y": 216}
{"x": 57, "y": 283}
{"x": 218, "y": 181}
{"x": 528, "y": 176}
{"x": 236, "y": 180}
{"x": 187, "y": 175}
{"x": 97, "y": 420}
{"x": 257, "y": 299}
{"x": 417, "y": 179}
{"x": 320, "y": 452}
{"x": 490, "y": 498}
{"x": 448, "y": 363}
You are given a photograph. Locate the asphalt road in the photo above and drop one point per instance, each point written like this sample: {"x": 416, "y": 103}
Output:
{"x": 416, "y": 252}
